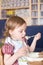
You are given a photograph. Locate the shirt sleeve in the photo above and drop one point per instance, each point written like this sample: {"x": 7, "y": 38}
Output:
{"x": 7, "y": 49}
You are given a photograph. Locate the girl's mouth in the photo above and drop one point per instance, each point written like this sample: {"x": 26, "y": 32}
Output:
{"x": 23, "y": 38}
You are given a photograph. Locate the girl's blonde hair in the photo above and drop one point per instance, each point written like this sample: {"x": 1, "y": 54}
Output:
{"x": 11, "y": 23}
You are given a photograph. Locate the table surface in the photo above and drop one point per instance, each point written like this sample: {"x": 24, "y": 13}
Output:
{"x": 35, "y": 58}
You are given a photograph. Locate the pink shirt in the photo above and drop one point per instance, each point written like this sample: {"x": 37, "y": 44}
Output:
{"x": 8, "y": 49}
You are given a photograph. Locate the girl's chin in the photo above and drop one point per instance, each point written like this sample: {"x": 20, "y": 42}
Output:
{"x": 23, "y": 39}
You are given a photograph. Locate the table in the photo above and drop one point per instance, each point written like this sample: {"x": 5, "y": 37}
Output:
{"x": 35, "y": 58}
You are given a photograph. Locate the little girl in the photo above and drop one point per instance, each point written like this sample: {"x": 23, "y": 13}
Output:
{"x": 14, "y": 46}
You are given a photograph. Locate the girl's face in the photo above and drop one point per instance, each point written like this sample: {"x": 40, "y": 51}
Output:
{"x": 18, "y": 33}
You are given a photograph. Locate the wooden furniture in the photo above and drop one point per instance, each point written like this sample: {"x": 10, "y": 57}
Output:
{"x": 14, "y": 7}
{"x": 38, "y": 60}
{"x": 30, "y": 10}
{"x": 1, "y": 58}
{"x": 36, "y": 12}
{"x": 36, "y": 63}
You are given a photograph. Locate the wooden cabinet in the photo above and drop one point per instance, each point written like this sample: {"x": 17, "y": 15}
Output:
{"x": 37, "y": 12}
{"x": 30, "y": 10}
{"x": 15, "y": 7}
{"x": 1, "y": 58}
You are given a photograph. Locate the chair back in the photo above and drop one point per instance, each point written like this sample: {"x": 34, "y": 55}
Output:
{"x": 1, "y": 58}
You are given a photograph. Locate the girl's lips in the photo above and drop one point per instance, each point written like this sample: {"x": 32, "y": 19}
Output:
{"x": 23, "y": 38}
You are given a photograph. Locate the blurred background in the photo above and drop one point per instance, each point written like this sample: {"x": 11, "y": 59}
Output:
{"x": 30, "y": 10}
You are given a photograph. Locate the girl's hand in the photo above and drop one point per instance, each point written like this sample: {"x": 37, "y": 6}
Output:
{"x": 37, "y": 36}
{"x": 23, "y": 51}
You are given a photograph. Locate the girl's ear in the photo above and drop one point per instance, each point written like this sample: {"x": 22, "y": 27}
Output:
{"x": 10, "y": 32}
